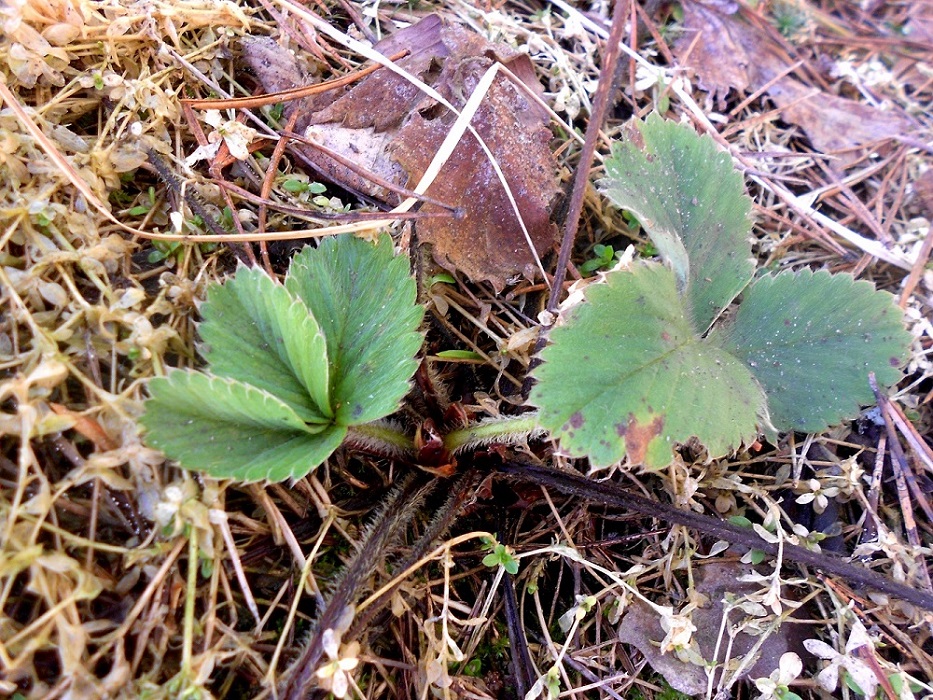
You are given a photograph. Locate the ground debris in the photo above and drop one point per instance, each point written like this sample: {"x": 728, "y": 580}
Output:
{"x": 390, "y": 127}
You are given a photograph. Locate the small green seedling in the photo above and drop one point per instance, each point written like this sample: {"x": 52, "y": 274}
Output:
{"x": 651, "y": 358}
{"x": 143, "y": 209}
{"x": 299, "y": 186}
{"x": 501, "y": 555}
{"x": 291, "y": 368}
{"x": 603, "y": 258}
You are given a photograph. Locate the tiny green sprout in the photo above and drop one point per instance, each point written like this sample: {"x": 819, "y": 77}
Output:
{"x": 898, "y": 28}
{"x": 631, "y": 220}
{"x": 791, "y": 18}
{"x": 664, "y": 101}
{"x": 207, "y": 565}
{"x": 552, "y": 680}
{"x": 299, "y": 186}
{"x": 603, "y": 257}
{"x": 226, "y": 220}
{"x": 146, "y": 207}
{"x": 441, "y": 278}
{"x": 44, "y": 217}
{"x": 473, "y": 668}
{"x": 501, "y": 555}
{"x": 165, "y": 250}
{"x": 276, "y": 111}
{"x": 330, "y": 203}
{"x": 455, "y": 355}
{"x": 903, "y": 685}
{"x": 740, "y": 521}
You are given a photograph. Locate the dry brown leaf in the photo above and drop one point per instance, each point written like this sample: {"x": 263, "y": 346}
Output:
{"x": 390, "y": 127}
{"x": 641, "y": 627}
{"x": 88, "y": 427}
{"x": 715, "y": 46}
{"x": 731, "y": 54}
{"x": 834, "y": 123}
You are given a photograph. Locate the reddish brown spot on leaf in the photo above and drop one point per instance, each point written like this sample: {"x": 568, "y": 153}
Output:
{"x": 633, "y": 134}
{"x": 576, "y": 420}
{"x": 639, "y": 435}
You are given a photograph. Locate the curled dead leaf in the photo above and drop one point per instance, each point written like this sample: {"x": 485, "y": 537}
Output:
{"x": 390, "y": 127}
{"x": 729, "y": 53}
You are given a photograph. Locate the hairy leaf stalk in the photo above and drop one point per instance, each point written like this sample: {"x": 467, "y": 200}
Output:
{"x": 397, "y": 510}
{"x": 509, "y": 431}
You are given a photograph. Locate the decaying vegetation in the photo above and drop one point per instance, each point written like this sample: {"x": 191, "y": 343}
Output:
{"x": 124, "y": 576}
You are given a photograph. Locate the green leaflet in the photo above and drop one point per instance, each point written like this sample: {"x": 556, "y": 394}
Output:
{"x": 689, "y": 199}
{"x": 629, "y": 371}
{"x": 291, "y": 368}
{"x": 229, "y": 429}
{"x": 627, "y": 374}
{"x": 255, "y": 331}
{"x": 811, "y": 340}
{"x": 364, "y": 298}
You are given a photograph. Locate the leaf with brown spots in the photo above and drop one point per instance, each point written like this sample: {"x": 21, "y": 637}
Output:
{"x": 631, "y": 371}
{"x": 395, "y": 129}
{"x": 627, "y": 375}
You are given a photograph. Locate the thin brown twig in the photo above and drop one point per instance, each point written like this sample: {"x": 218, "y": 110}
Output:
{"x": 612, "y": 495}
{"x": 252, "y": 102}
{"x": 593, "y": 127}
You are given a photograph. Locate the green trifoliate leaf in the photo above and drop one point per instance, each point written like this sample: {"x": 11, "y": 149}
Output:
{"x": 255, "y": 331}
{"x": 626, "y": 373}
{"x": 811, "y": 340}
{"x": 229, "y": 429}
{"x": 690, "y": 200}
{"x": 363, "y": 297}
{"x": 629, "y": 371}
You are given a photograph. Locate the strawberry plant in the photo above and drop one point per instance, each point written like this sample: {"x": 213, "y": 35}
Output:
{"x": 292, "y": 368}
{"x": 655, "y": 355}
{"x": 652, "y": 356}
